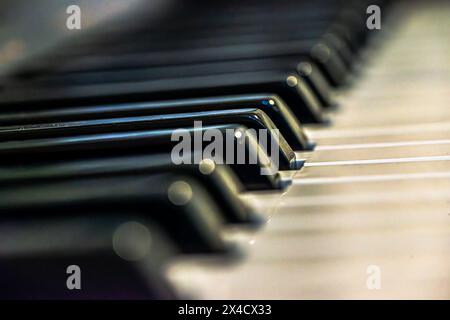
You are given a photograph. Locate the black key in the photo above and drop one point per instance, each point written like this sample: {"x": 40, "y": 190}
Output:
{"x": 320, "y": 52}
{"x": 208, "y": 59}
{"x": 219, "y": 180}
{"x": 272, "y": 105}
{"x": 315, "y": 79}
{"x": 176, "y": 203}
{"x": 144, "y": 142}
{"x": 289, "y": 87}
{"x": 119, "y": 257}
{"x": 254, "y": 119}
{"x": 317, "y": 82}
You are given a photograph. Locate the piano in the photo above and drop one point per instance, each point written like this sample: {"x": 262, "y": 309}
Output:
{"x": 316, "y": 163}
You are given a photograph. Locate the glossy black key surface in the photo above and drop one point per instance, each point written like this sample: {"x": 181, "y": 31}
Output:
{"x": 219, "y": 180}
{"x": 290, "y": 87}
{"x": 145, "y": 142}
{"x": 321, "y": 88}
{"x": 208, "y": 61}
{"x": 281, "y": 115}
{"x": 119, "y": 257}
{"x": 304, "y": 66}
{"x": 254, "y": 119}
{"x": 167, "y": 199}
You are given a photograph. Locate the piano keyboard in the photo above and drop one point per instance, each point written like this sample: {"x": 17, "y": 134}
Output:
{"x": 87, "y": 178}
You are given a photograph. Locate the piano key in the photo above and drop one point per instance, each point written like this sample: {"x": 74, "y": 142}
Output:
{"x": 411, "y": 227}
{"x": 401, "y": 115}
{"x": 366, "y": 198}
{"x": 219, "y": 180}
{"x": 408, "y": 168}
{"x": 367, "y": 187}
{"x": 306, "y": 278}
{"x": 242, "y": 35}
{"x": 387, "y": 151}
{"x": 251, "y": 118}
{"x": 272, "y": 105}
{"x": 287, "y": 62}
{"x": 35, "y": 263}
{"x": 291, "y": 88}
{"x": 138, "y": 142}
{"x": 304, "y": 66}
{"x": 317, "y": 82}
{"x": 401, "y": 134}
{"x": 306, "y": 283}
{"x": 322, "y": 54}
{"x": 194, "y": 223}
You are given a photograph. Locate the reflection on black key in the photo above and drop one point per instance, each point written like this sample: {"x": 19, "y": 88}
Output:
{"x": 144, "y": 142}
{"x": 254, "y": 119}
{"x": 219, "y": 180}
{"x": 193, "y": 222}
{"x": 272, "y": 105}
{"x": 290, "y": 87}
{"x": 119, "y": 257}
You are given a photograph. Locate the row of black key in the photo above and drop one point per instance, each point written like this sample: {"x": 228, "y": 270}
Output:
{"x": 87, "y": 176}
